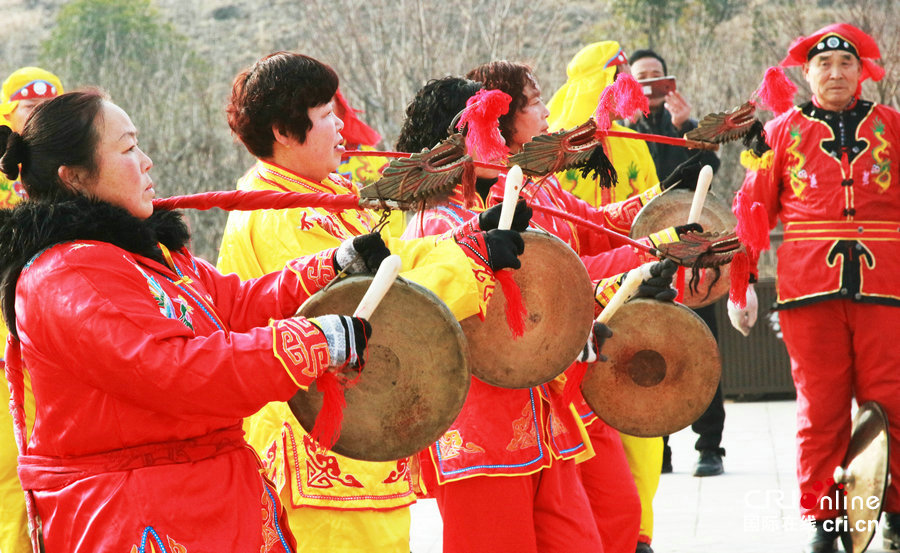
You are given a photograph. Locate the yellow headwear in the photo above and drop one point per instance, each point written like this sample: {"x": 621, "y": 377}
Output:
{"x": 31, "y": 82}
{"x": 590, "y": 71}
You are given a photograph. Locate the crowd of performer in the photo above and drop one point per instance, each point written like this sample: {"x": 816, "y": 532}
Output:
{"x": 148, "y": 388}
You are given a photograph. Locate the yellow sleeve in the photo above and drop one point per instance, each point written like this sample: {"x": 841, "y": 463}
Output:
{"x": 648, "y": 178}
{"x": 260, "y": 242}
{"x": 443, "y": 268}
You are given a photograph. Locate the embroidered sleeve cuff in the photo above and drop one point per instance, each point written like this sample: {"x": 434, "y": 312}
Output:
{"x": 314, "y": 271}
{"x": 619, "y": 216}
{"x": 301, "y": 348}
{"x": 485, "y": 280}
{"x": 468, "y": 228}
{"x": 605, "y": 289}
{"x": 649, "y": 194}
{"x": 665, "y": 236}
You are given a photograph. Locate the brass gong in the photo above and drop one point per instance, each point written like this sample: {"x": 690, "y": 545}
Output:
{"x": 864, "y": 475}
{"x": 557, "y": 294}
{"x": 662, "y": 370}
{"x": 415, "y": 378}
{"x": 671, "y": 209}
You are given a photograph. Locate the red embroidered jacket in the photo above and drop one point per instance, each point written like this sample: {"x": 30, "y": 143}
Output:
{"x": 503, "y": 431}
{"x": 141, "y": 374}
{"x": 832, "y": 178}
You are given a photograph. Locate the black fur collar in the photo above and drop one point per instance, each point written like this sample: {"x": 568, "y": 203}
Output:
{"x": 31, "y": 227}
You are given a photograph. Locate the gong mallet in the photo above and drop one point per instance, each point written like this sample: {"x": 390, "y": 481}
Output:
{"x": 381, "y": 283}
{"x": 633, "y": 280}
{"x": 704, "y": 179}
{"x": 629, "y": 286}
{"x": 514, "y": 179}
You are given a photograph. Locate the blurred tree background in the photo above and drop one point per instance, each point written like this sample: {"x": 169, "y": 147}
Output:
{"x": 170, "y": 63}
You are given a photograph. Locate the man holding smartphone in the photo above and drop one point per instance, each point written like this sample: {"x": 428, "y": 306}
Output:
{"x": 670, "y": 115}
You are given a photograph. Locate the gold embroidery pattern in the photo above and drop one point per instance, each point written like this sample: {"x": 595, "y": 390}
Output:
{"x": 524, "y": 432}
{"x": 798, "y": 175}
{"x": 269, "y": 522}
{"x": 882, "y": 159}
{"x": 620, "y": 215}
{"x": 451, "y": 445}
{"x": 557, "y": 425}
{"x": 291, "y": 347}
{"x": 316, "y": 275}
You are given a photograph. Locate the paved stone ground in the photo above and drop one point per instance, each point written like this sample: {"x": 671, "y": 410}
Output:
{"x": 752, "y": 508}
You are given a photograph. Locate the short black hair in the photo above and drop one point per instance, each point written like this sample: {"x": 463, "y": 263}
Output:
{"x": 647, "y": 53}
{"x": 432, "y": 110}
{"x": 278, "y": 91}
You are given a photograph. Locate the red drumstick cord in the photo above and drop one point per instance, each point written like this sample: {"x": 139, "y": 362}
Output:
{"x": 379, "y": 153}
{"x": 595, "y": 226}
{"x": 683, "y": 142}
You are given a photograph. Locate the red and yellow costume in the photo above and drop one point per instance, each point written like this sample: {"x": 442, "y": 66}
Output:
{"x": 22, "y": 83}
{"x": 143, "y": 366}
{"x": 591, "y": 70}
{"x": 833, "y": 178}
{"x": 508, "y": 443}
{"x": 13, "y": 519}
{"x": 336, "y": 503}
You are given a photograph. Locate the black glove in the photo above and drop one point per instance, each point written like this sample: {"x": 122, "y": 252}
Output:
{"x": 685, "y": 175}
{"x": 347, "y": 338}
{"x": 755, "y": 139}
{"x": 681, "y": 230}
{"x": 659, "y": 285}
{"x": 361, "y": 254}
{"x": 503, "y": 249}
{"x": 490, "y": 218}
{"x": 591, "y": 351}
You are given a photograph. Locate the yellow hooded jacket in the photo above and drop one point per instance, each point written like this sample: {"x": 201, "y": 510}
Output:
{"x": 589, "y": 72}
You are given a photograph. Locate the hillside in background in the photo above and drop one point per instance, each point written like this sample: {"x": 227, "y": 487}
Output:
{"x": 171, "y": 67}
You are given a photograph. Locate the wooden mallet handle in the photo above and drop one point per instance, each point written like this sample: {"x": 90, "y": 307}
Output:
{"x": 703, "y": 182}
{"x": 514, "y": 180}
{"x": 632, "y": 280}
{"x": 380, "y": 285}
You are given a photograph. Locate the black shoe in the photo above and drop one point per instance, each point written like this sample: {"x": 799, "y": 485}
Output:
{"x": 710, "y": 462}
{"x": 643, "y": 547}
{"x": 667, "y": 460}
{"x": 890, "y": 531}
{"x": 823, "y": 541}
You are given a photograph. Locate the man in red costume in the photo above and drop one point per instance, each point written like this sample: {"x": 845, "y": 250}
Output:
{"x": 831, "y": 175}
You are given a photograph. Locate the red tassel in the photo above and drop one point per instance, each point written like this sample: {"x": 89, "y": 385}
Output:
{"x": 604, "y": 107}
{"x": 515, "y": 307}
{"x": 482, "y": 116}
{"x": 740, "y": 279}
{"x": 752, "y": 223}
{"x": 327, "y": 428}
{"x": 680, "y": 276}
{"x": 574, "y": 378}
{"x": 629, "y": 98}
{"x": 761, "y": 224}
{"x": 776, "y": 92}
